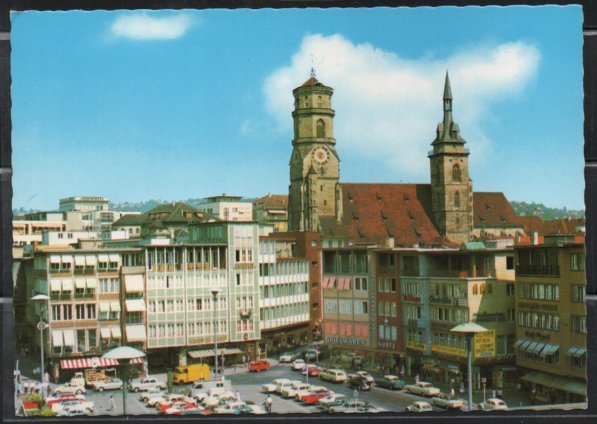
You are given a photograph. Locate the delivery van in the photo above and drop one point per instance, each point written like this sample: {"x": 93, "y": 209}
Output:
{"x": 190, "y": 373}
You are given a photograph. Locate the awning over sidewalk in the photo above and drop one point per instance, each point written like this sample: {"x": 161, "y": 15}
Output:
{"x": 576, "y": 351}
{"x": 559, "y": 383}
{"x": 96, "y": 362}
{"x": 69, "y": 364}
{"x": 208, "y": 353}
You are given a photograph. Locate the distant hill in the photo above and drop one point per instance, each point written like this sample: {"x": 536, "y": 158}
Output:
{"x": 150, "y": 204}
{"x": 544, "y": 212}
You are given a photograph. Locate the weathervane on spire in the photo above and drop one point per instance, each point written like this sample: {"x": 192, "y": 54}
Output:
{"x": 312, "y": 67}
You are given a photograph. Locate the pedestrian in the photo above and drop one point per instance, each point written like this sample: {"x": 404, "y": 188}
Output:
{"x": 355, "y": 394}
{"x": 244, "y": 360}
{"x": 112, "y": 403}
{"x": 238, "y": 395}
{"x": 402, "y": 370}
{"x": 417, "y": 378}
{"x": 268, "y": 402}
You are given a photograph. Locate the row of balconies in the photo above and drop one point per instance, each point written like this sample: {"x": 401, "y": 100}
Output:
{"x": 538, "y": 270}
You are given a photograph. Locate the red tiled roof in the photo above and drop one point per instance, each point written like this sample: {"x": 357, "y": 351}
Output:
{"x": 564, "y": 226}
{"x": 493, "y": 210}
{"x": 312, "y": 82}
{"x": 273, "y": 201}
{"x": 374, "y": 212}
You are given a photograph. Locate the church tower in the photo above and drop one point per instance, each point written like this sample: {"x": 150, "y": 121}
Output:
{"x": 314, "y": 163}
{"x": 451, "y": 187}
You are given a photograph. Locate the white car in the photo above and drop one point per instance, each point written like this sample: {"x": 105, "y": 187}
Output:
{"x": 153, "y": 393}
{"x": 108, "y": 384}
{"x": 285, "y": 385}
{"x": 419, "y": 407}
{"x": 256, "y": 409}
{"x": 493, "y": 404}
{"x": 365, "y": 376}
{"x": 330, "y": 399}
{"x": 73, "y": 405}
{"x": 298, "y": 364}
{"x": 445, "y": 401}
{"x": 164, "y": 399}
{"x": 308, "y": 391}
{"x": 229, "y": 407}
{"x": 271, "y": 387}
{"x": 422, "y": 388}
{"x": 146, "y": 384}
{"x": 213, "y": 400}
{"x": 286, "y": 358}
{"x": 70, "y": 388}
{"x": 290, "y": 392}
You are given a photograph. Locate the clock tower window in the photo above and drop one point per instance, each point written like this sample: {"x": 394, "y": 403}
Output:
{"x": 457, "y": 200}
{"x": 320, "y": 128}
{"x": 456, "y": 174}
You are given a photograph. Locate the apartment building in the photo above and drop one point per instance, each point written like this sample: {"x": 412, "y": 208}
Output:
{"x": 551, "y": 317}
{"x": 228, "y": 208}
{"x": 272, "y": 209}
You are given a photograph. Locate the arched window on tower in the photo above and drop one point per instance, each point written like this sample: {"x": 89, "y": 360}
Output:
{"x": 320, "y": 128}
{"x": 457, "y": 200}
{"x": 456, "y": 173}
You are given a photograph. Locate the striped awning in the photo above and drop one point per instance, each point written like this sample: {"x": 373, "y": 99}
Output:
{"x": 96, "y": 362}
{"x": 69, "y": 364}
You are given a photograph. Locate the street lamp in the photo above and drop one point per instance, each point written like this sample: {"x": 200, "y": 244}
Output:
{"x": 41, "y": 326}
{"x": 469, "y": 329}
{"x": 123, "y": 355}
{"x": 214, "y": 293}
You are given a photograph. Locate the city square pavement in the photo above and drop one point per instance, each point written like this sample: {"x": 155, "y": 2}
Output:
{"x": 249, "y": 387}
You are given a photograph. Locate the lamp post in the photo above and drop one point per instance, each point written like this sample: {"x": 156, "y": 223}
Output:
{"x": 469, "y": 329}
{"x": 214, "y": 293}
{"x": 41, "y": 326}
{"x": 124, "y": 354}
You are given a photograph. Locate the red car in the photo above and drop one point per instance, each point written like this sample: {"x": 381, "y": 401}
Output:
{"x": 313, "y": 371}
{"x": 259, "y": 365}
{"x": 313, "y": 397}
{"x": 51, "y": 400}
{"x": 178, "y": 403}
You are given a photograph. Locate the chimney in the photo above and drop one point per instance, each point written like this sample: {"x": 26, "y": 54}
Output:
{"x": 390, "y": 242}
{"x": 535, "y": 238}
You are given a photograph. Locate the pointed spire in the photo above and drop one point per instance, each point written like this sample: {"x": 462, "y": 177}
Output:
{"x": 447, "y": 89}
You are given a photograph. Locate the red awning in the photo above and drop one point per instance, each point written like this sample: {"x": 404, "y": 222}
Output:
{"x": 68, "y": 364}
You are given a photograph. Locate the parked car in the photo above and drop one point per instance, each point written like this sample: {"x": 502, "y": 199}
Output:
{"x": 365, "y": 376}
{"x": 312, "y": 389}
{"x": 232, "y": 407}
{"x": 329, "y": 400}
{"x": 69, "y": 388}
{"x": 358, "y": 384}
{"x": 155, "y": 392}
{"x": 293, "y": 389}
{"x": 333, "y": 375}
{"x": 285, "y": 385}
{"x": 312, "y": 370}
{"x": 255, "y": 409}
{"x": 108, "y": 384}
{"x": 214, "y": 399}
{"x": 73, "y": 405}
{"x": 351, "y": 406}
{"x": 314, "y": 397}
{"x": 444, "y": 401}
{"x": 51, "y": 400}
{"x": 188, "y": 409}
{"x": 298, "y": 364}
{"x": 287, "y": 357}
{"x": 271, "y": 387}
{"x": 146, "y": 384}
{"x": 422, "y": 388}
{"x": 390, "y": 382}
{"x": 179, "y": 404}
{"x": 419, "y": 407}
{"x": 259, "y": 365}
{"x": 166, "y": 398}
{"x": 493, "y": 404}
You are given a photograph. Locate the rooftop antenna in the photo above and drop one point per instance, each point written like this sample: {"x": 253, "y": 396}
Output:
{"x": 312, "y": 67}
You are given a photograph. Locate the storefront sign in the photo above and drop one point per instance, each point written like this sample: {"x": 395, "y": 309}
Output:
{"x": 411, "y": 298}
{"x": 454, "y": 351}
{"x": 415, "y": 345}
{"x": 244, "y": 265}
{"x": 485, "y": 344}
{"x": 537, "y": 335}
{"x": 345, "y": 340}
{"x": 385, "y": 344}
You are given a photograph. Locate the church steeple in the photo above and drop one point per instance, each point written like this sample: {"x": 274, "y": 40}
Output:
{"x": 450, "y": 183}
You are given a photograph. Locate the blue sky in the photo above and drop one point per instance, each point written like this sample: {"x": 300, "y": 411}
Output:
{"x": 171, "y": 105}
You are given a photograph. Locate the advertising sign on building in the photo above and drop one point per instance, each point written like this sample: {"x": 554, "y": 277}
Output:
{"x": 485, "y": 344}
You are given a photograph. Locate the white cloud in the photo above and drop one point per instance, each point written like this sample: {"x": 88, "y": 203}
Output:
{"x": 388, "y": 107}
{"x": 141, "y": 26}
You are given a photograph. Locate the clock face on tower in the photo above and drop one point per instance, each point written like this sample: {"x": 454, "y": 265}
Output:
{"x": 320, "y": 154}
